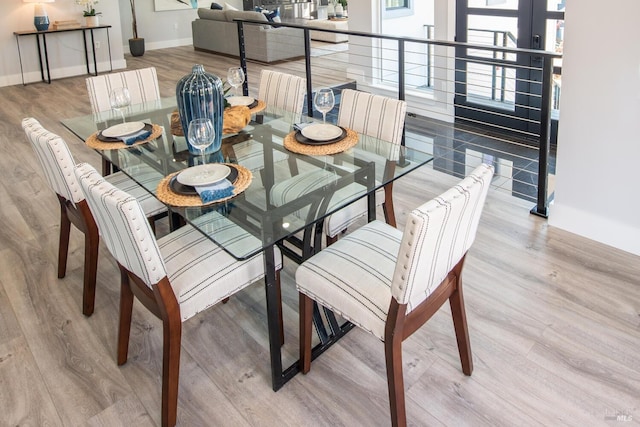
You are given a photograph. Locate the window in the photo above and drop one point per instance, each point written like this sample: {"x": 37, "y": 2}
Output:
{"x": 396, "y": 8}
{"x": 396, "y": 4}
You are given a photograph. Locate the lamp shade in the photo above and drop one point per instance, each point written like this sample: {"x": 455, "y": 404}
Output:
{"x": 40, "y": 17}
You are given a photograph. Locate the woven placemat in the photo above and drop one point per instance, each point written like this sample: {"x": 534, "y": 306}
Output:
{"x": 96, "y": 144}
{"x": 347, "y": 142}
{"x": 166, "y": 195}
{"x": 261, "y": 106}
{"x": 176, "y": 125}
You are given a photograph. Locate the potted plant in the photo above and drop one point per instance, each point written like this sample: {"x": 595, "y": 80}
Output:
{"x": 89, "y": 12}
{"x": 338, "y": 7}
{"x": 136, "y": 44}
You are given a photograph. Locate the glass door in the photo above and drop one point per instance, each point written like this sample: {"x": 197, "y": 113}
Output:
{"x": 504, "y": 89}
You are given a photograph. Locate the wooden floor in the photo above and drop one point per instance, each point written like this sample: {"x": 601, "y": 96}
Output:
{"x": 554, "y": 318}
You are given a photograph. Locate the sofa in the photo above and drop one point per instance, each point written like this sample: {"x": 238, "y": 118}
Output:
{"x": 215, "y": 31}
{"x": 328, "y": 24}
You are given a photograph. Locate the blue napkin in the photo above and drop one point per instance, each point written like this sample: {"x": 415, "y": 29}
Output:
{"x": 217, "y": 191}
{"x": 300, "y": 126}
{"x": 135, "y": 137}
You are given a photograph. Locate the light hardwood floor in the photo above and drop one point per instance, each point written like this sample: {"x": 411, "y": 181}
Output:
{"x": 554, "y": 318}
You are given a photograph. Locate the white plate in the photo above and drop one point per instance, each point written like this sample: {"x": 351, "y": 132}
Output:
{"x": 123, "y": 129}
{"x": 203, "y": 174}
{"x": 321, "y": 132}
{"x": 240, "y": 100}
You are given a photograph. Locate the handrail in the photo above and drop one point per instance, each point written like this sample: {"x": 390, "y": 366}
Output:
{"x": 542, "y": 53}
{"x": 545, "y": 57}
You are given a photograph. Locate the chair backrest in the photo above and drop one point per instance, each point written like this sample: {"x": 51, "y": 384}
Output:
{"x": 123, "y": 226}
{"x": 282, "y": 90}
{"x": 142, "y": 85}
{"x": 373, "y": 115}
{"x": 55, "y": 158}
{"x": 437, "y": 235}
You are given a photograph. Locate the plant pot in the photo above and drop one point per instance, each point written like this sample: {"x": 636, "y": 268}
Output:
{"x": 92, "y": 21}
{"x": 136, "y": 46}
{"x": 339, "y": 10}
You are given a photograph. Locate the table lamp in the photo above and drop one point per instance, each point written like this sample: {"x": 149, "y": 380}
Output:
{"x": 40, "y": 17}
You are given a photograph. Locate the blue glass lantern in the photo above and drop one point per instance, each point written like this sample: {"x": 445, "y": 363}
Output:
{"x": 200, "y": 95}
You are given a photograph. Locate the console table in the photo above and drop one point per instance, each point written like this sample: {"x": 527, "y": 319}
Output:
{"x": 43, "y": 49}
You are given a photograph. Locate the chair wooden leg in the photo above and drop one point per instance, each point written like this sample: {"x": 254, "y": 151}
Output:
{"x": 126, "y": 307}
{"x": 306, "y": 312}
{"x": 63, "y": 246}
{"x": 172, "y": 337}
{"x": 91, "y": 243}
{"x": 456, "y": 301}
{"x": 170, "y": 371}
{"x": 395, "y": 380}
{"x": 331, "y": 240}
{"x": 387, "y": 206}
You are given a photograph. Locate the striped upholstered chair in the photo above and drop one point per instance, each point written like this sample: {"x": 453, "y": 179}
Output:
{"x": 390, "y": 283}
{"x": 282, "y": 90}
{"x": 57, "y": 164}
{"x": 175, "y": 277}
{"x": 379, "y": 120}
{"x": 142, "y": 85}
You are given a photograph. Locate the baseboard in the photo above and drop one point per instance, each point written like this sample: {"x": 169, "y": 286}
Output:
{"x": 163, "y": 44}
{"x": 60, "y": 73}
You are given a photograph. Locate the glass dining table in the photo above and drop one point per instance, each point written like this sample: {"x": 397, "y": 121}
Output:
{"x": 295, "y": 226}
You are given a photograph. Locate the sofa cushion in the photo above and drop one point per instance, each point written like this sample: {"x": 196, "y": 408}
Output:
{"x": 329, "y": 25}
{"x": 214, "y": 15}
{"x": 246, "y": 15}
{"x": 272, "y": 16}
{"x": 227, "y": 6}
{"x": 216, "y": 6}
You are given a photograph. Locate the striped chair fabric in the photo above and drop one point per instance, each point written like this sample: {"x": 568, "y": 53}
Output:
{"x": 282, "y": 90}
{"x": 357, "y": 276}
{"x": 389, "y": 283}
{"x": 57, "y": 164}
{"x": 201, "y": 273}
{"x": 176, "y": 277}
{"x": 142, "y": 85}
{"x": 373, "y": 115}
{"x": 380, "y": 120}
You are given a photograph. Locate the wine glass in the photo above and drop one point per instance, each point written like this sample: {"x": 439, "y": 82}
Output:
{"x": 235, "y": 77}
{"x": 119, "y": 98}
{"x": 201, "y": 134}
{"x": 324, "y": 102}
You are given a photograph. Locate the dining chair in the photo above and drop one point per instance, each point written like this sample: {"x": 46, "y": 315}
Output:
{"x": 142, "y": 85}
{"x": 175, "y": 277}
{"x": 278, "y": 90}
{"x": 282, "y": 90}
{"x": 380, "y": 122}
{"x": 390, "y": 283}
{"x": 57, "y": 163}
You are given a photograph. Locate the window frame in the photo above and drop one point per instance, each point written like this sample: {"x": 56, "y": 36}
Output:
{"x": 396, "y": 12}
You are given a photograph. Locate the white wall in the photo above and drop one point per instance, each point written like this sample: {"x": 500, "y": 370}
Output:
{"x": 597, "y": 192}
{"x": 367, "y": 16}
{"x": 411, "y": 25}
{"x": 66, "y": 52}
{"x": 162, "y": 29}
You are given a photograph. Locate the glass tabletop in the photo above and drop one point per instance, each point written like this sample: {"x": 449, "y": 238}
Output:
{"x": 288, "y": 192}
